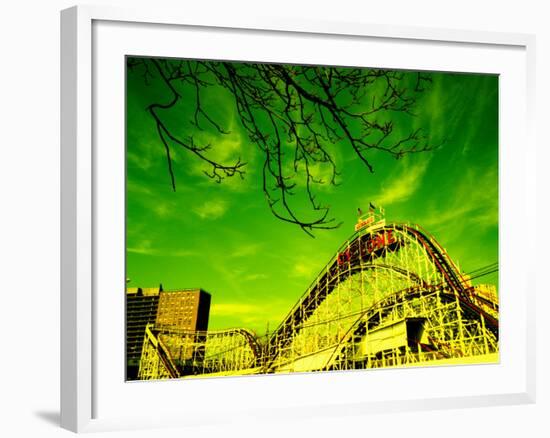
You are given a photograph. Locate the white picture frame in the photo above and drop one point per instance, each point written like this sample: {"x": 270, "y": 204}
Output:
{"x": 88, "y": 397}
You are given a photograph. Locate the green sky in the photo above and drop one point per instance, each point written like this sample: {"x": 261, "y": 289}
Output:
{"x": 224, "y": 239}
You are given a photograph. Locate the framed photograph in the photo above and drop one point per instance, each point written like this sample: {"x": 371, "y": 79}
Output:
{"x": 258, "y": 209}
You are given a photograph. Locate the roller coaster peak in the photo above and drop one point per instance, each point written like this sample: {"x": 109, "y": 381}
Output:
{"x": 374, "y": 218}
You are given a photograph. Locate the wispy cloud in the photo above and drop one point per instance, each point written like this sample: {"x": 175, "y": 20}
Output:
{"x": 305, "y": 269}
{"x": 225, "y": 149}
{"x": 246, "y": 250}
{"x": 143, "y": 161}
{"x": 165, "y": 208}
{"x": 138, "y": 189}
{"x": 255, "y": 277}
{"x": 321, "y": 174}
{"x": 404, "y": 184}
{"x": 162, "y": 209}
{"x": 154, "y": 200}
{"x": 475, "y": 203}
{"x": 145, "y": 247}
{"x": 211, "y": 209}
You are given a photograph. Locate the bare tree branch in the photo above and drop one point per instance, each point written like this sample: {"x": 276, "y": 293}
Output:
{"x": 295, "y": 115}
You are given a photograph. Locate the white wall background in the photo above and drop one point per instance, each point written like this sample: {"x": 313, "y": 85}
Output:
{"x": 29, "y": 217}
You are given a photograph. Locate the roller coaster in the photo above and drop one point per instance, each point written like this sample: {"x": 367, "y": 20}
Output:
{"x": 391, "y": 296}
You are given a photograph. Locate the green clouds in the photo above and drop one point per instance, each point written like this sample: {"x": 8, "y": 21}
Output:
{"x": 403, "y": 184}
{"x": 211, "y": 209}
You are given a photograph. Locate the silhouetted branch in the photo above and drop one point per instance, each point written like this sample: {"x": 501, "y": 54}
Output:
{"x": 295, "y": 115}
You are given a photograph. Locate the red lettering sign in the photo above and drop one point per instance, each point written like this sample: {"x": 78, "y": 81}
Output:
{"x": 390, "y": 238}
{"x": 378, "y": 241}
